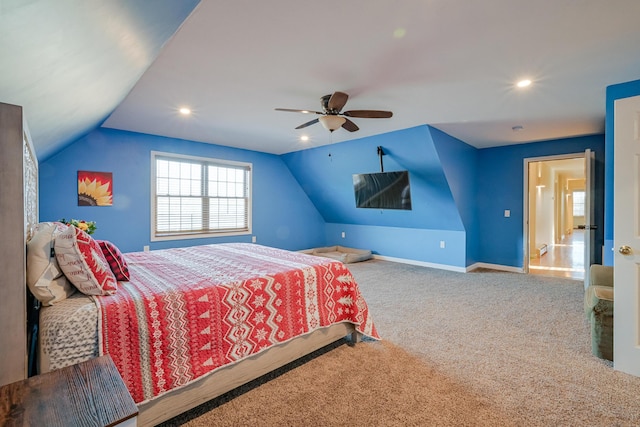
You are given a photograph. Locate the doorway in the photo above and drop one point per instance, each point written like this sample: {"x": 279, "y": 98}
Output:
{"x": 557, "y": 196}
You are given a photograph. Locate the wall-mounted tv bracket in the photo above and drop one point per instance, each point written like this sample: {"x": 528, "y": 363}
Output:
{"x": 380, "y": 154}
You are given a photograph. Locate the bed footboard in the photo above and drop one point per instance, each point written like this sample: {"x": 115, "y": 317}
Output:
{"x": 229, "y": 377}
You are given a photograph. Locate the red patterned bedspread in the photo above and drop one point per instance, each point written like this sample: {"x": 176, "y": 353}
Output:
{"x": 188, "y": 311}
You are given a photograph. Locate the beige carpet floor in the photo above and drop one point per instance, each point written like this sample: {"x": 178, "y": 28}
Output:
{"x": 485, "y": 348}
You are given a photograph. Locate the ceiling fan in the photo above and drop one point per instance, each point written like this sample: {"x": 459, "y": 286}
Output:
{"x": 331, "y": 117}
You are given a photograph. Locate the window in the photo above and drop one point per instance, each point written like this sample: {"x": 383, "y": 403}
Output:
{"x": 199, "y": 197}
{"x": 578, "y": 203}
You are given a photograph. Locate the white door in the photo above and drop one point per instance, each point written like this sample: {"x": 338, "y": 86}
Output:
{"x": 589, "y": 211}
{"x": 626, "y": 236}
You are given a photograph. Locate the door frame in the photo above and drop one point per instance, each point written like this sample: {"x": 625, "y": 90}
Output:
{"x": 525, "y": 216}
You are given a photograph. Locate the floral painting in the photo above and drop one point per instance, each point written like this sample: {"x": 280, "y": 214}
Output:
{"x": 95, "y": 188}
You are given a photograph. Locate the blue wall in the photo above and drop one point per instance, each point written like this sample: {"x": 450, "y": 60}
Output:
{"x": 325, "y": 173}
{"x": 460, "y": 165}
{"x": 459, "y": 195}
{"x": 305, "y": 199}
{"x": 501, "y": 186}
{"x": 283, "y": 215}
{"x": 622, "y": 90}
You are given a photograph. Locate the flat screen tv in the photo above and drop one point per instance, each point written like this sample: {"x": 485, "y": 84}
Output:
{"x": 383, "y": 190}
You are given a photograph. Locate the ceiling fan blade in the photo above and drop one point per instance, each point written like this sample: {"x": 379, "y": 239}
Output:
{"x": 337, "y": 101}
{"x": 349, "y": 125}
{"x": 298, "y": 111}
{"x": 369, "y": 114}
{"x": 304, "y": 125}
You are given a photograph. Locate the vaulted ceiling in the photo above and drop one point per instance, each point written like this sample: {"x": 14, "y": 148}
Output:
{"x": 453, "y": 64}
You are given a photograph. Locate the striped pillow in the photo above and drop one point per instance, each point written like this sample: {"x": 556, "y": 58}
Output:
{"x": 115, "y": 259}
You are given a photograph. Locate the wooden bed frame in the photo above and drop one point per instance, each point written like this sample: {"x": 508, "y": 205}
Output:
{"x": 229, "y": 377}
{"x": 19, "y": 210}
{"x": 18, "y": 204}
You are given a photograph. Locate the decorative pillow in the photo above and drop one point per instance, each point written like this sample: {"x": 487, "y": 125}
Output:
{"x": 44, "y": 277}
{"x": 115, "y": 259}
{"x": 82, "y": 261}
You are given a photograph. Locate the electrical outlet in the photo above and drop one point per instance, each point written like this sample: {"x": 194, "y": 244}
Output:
{"x": 507, "y": 213}
{"x": 344, "y": 234}
{"x": 145, "y": 248}
{"x": 442, "y": 244}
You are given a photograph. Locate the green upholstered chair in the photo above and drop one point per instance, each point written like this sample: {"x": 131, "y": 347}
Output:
{"x": 598, "y": 305}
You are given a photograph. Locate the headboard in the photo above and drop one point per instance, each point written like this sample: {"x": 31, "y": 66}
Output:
{"x": 19, "y": 211}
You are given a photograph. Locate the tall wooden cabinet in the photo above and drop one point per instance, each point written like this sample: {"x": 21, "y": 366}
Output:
{"x": 18, "y": 213}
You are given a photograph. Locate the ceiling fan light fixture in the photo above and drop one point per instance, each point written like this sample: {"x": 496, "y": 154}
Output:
{"x": 331, "y": 123}
{"x": 331, "y": 117}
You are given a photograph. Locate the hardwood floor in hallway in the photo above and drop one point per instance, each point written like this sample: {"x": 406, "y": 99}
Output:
{"x": 565, "y": 259}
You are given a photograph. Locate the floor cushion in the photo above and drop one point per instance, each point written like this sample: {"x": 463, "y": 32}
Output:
{"x": 341, "y": 253}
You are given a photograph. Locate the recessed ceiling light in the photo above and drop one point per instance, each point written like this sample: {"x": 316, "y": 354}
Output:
{"x": 185, "y": 111}
{"x": 304, "y": 138}
{"x": 523, "y": 83}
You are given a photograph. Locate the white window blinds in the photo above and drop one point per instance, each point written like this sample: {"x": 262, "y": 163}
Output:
{"x": 199, "y": 197}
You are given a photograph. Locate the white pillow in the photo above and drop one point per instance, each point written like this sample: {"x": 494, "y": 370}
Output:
{"x": 83, "y": 262}
{"x": 44, "y": 277}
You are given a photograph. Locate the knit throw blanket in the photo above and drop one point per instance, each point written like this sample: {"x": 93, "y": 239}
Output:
{"x": 188, "y": 311}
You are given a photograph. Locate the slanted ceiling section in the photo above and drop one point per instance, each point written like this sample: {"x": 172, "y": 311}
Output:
{"x": 325, "y": 173}
{"x": 69, "y": 63}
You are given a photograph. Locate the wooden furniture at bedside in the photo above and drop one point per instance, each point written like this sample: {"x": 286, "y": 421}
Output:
{"x": 90, "y": 393}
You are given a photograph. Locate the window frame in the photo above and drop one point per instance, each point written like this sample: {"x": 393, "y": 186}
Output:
{"x": 209, "y": 161}
{"x": 574, "y": 204}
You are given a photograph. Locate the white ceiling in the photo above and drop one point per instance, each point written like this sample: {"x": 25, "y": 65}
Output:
{"x": 233, "y": 62}
{"x": 69, "y": 63}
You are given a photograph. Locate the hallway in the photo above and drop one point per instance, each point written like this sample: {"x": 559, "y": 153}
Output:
{"x": 562, "y": 260}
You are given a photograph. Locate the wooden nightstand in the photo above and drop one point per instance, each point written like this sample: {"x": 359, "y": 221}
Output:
{"x": 91, "y": 393}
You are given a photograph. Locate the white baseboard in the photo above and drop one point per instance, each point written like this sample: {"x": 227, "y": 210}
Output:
{"x": 421, "y": 263}
{"x": 451, "y": 267}
{"x": 494, "y": 267}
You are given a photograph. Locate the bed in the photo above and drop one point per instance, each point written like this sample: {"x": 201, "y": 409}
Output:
{"x": 90, "y": 319}
{"x": 195, "y": 322}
